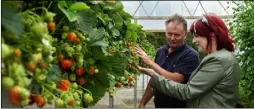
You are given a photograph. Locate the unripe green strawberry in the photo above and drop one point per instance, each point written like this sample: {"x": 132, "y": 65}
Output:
{"x": 96, "y": 70}
{"x": 6, "y": 50}
{"x": 91, "y": 61}
{"x": 78, "y": 103}
{"x": 7, "y": 82}
{"x": 24, "y": 102}
{"x": 75, "y": 85}
{"x": 78, "y": 48}
{"x": 122, "y": 79}
{"x": 59, "y": 103}
{"x": 49, "y": 16}
{"x": 87, "y": 98}
{"x": 72, "y": 77}
{"x": 76, "y": 95}
{"x": 65, "y": 28}
{"x": 24, "y": 93}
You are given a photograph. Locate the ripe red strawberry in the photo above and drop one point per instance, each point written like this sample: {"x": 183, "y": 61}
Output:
{"x": 51, "y": 26}
{"x": 32, "y": 97}
{"x": 77, "y": 40}
{"x": 71, "y": 36}
{"x": 91, "y": 70}
{"x": 130, "y": 78}
{"x": 17, "y": 52}
{"x": 81, "y": 81}
{"x": 118, "y": 84}
{"x": 131, "y": 84}
{"x": 80, "y": 71}
{"x": 14, "y": 96}
{"x": 64, "y": 85}
{"x": 60, "y": 57}
{"x": 71, "y": 101}
{"x": 65, "y": 64}
{"x": 40, "y": 101}
{"x": 31, "y": 67}
{"x": 42, "y": 65}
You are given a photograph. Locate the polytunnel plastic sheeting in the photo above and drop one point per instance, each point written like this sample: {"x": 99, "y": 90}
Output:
{"x": 168, "y": 8}
{"x": 185, "y": 8}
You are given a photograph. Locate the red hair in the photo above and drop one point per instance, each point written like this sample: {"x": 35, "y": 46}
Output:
{"x": 216, "y": 26}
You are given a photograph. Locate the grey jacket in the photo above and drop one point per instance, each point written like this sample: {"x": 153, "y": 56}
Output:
{"x": 213, "y": 84}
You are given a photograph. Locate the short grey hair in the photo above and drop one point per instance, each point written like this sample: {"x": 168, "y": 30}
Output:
{"x": 178, "y": 18}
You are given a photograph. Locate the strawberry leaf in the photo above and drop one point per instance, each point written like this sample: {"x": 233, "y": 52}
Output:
{"x": 70, "y": 14}
{"x": 87, "y": 20}
{"x": 54, "y": 74}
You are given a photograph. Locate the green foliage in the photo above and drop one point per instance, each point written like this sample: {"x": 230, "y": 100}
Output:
{"x": 12, "y": 21}
{"x": 242, "y": 30}
{"x": 90, "y": 43}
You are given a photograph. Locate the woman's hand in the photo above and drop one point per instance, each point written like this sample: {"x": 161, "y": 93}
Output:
{"x": 142, "y": 54}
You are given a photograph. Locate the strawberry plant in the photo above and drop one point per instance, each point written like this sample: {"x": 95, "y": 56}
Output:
{"x": 70, "y": 53}
{"x": 241, "y": 27}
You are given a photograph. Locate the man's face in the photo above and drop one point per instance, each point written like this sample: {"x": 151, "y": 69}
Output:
{"x": 175, "y": 34}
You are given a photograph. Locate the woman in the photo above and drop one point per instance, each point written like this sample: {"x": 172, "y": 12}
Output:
{"x": 214, "y": 83}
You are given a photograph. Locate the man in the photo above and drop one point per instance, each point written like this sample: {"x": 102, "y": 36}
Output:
{"x": 175, "y": 60}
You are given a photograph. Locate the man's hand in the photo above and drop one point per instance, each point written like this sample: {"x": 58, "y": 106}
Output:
{"x": 146, "y": 71}
{"x": 142, "y": 54}
{"x": 141, "y": 106}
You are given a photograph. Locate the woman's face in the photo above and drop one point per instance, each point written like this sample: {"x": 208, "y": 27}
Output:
{"x": 201, "y": 43}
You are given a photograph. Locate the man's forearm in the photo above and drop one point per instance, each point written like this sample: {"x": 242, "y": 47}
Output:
{"x": 169, "y": 75}
{"x": 147, "y": 96}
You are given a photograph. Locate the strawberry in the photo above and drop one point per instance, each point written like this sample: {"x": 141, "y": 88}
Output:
{"x": 51, "y": 26}
{"x": 80, "y": 71}
{"x": 31, "y": 67}
{"x": 32, "y": 97}
{"x": 110, "y": 51}
{"x": 132, "y": 53}
{"x": 42, "y": 65}
{"x": 130, "y": 78}
{"x": 71, "y": 101}
{"x": 87, "y": 98}
{"x": 71, "y": 36}
{"x": 64, "y": 85}
{"x": 65, "y": 28}
{"x": 118, "y": 84}
{"x": 17, "y": 52}
{"x": 65, "y": 64}
{"x": 7, "y": 82}
{"x": 40, "y": 101}
{"x": 128, "y": 44}
{"x": 75, "y": 85}
{"x": 72, "y": 76}
{"x": 77, "y": 40}
{"x": 131, "y": 85}
{"x": 59, "y": 103}
{"x": 91, "y": 70}
{"x": 14, "y": 96}
{"x": 60, "y": 57}
{"x": 81, "y": 80}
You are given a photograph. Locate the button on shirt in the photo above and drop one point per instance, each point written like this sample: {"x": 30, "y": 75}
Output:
{"x": 183, "y": 60}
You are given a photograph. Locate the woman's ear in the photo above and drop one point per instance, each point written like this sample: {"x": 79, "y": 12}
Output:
{"x": 212, "y": 34}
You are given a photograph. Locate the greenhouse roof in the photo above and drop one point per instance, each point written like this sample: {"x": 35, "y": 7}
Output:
{"x": 152, "y": 14}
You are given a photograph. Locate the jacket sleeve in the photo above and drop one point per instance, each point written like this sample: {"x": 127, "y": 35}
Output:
{"x": 206, "y": 77}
